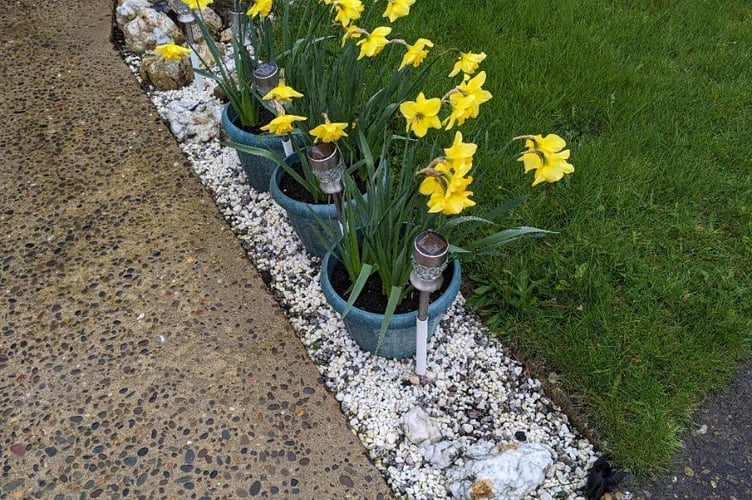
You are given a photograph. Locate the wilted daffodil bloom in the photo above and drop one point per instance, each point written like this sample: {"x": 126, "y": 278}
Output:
{"x": 397, "y": 8}
{"x": 416, "y": 53}
{"x": 421, "y": 114}
{"x": 353, "y": 32}
{"x": 547, "y": 156}
{"x": 171, "y": 51}
{"x": 282, "y": 124}
{"x": 282, "y": 92}
{"x": 347, "y": 11}
{"x": 260, "y": 8}
{"x": 328, "y": 131}
{"x": 374, "y": 42}
{"x": 197, "y": 4}
{"x": 468, "y": 63}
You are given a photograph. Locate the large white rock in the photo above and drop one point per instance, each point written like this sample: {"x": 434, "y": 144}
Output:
{"x": 420, "y": 428}
{"x": 147, "y": 29}
{"x": 127, "y": 10}
{"x": 192, "y": 120}
{"x": 508, "y": 472}
{"x": 165, "y": 74}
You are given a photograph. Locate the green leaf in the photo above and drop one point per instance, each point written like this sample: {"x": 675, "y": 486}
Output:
{"x": 504, "y": 237}
{"x": 391, "y": 306}
{"x": 505, "y": 207}
{"x": 365, "y": 272}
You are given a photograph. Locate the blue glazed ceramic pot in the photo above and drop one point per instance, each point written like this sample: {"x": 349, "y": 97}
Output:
{"x": 257, "y": 168}
{"x": 305, "y": 218}
{"x": 364, "y": 326}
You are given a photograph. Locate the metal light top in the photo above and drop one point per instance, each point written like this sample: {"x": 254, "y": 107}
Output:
{"x": 183, "y": 12}
{"x": 429, "y": 259}
{"x": 327, "y": 167}
{"x": 430, "y": 249}
{"x": 266, "y": 76}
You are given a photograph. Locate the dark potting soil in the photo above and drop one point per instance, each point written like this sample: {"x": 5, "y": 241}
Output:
{"x": 293, "y": 189}
{"x": 265, "y": 116}
{"x": 372, "y": 300}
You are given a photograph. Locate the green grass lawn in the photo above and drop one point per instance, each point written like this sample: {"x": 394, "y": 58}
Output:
{"x": 643, "y": 301}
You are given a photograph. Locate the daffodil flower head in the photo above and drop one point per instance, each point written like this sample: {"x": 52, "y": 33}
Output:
{"x": 416, "y": 53}
{"x": 374, "y": 42}
{"x": 328, "y": 131}
{"x": 468, "y": 63}
{"x": 347, "y": 11}
{"x": 462, "y": 107}
{"x": 197, "y": 4}
{"x": 473, "y": 95}
{"x": 171, "y": 51}
{"x": 460, "y": 154}
{"x": 352, "y": 31}
{"x": 397, "y": 8}
{"x": 282, "y": 92}
{"x": 547, "y": 156}
{"x": 283, "y": 124}
{"x": 421, "y": 114}
{"x": 260, "y": 8}
{"x": 446, "y": 188}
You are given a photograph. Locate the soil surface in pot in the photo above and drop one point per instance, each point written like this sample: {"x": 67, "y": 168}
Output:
{"x": 294, "y": 190}
{"x": 372, "y": 300}
{"x": 265, "y": 116}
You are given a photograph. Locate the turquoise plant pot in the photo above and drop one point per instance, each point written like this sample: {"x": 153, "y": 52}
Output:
{"x": 307, "y": 219}
{"x": 364, "y": 327}
{"x": 257, "y": 168}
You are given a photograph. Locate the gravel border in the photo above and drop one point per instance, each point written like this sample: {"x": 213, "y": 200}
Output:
{"x": 475, "y": 391}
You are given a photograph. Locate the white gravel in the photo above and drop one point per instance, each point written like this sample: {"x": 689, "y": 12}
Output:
{"x": 476, "y": 391}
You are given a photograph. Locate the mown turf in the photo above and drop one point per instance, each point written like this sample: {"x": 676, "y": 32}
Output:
{"x": 643, "y": 301}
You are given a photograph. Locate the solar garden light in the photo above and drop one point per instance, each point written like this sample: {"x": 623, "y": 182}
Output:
{"x": 185, "y": 17}
{"x": 429, "y": 259}
{"x": 328, "y": 168}
{"x": 266, "y": 77}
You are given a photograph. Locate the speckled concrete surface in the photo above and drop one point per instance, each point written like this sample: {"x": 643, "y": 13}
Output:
{"x": 140, "y": 354}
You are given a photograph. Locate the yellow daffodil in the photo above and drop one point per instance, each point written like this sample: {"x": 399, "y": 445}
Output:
{"x": 353, "y": 32}
{"x": 421, "y": 114}
{"x": 474, "y": 87}
{"x": 468, "y": 63}
{"x": 282, "y": 124}
{"x": 374, "y": 42}
{"x": 460, "y": 154}
{"x": 447, "y": 189}
{"x": 454, "y": 201}
{"x": 397, "y": 8}
{"x": 463, "y": 106}
{"x": 171, "y": 51}
{"x": 347, "y": 11}
{"x": 282, "y": 93}
{"x": 328, "y": 131}
{"x": 197, "y": 4}
{"x": 547, "y": 156}
{"x": 416, "y": 53}
{"x": 260, "y": 8}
